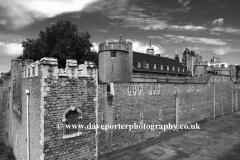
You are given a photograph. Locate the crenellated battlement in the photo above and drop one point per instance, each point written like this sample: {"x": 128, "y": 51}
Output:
{"x": 31, "y": 70}
{"x": 121, "y": 45}
{"x": 48, "y": 67}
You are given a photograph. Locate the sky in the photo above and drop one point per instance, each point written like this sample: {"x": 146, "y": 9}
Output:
{"x": 211, "y": 27}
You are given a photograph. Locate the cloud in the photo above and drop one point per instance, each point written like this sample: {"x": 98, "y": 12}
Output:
{"x": 101, "y": 30}
{"x": 145, "y": 22}
{"x": 142, "y": 47}
{"x": 219, "y": 21}
{"x": 75, "y": 16}
{"x": 22, "y": 13}
{"x": 184, "y": 3}
{"x": 178, "y": 39}
{"x": 127, "y": 14}
{"x": 95, "y": 46}
{"x": 155, "y": 37}
{"x": 187, "y": 27}
{"x": 137, "y": 18}
{"x": 225, "y": 30}
{"x": 11, "y": 48}
{"x": 226, "y": 50}
{"x": 3, "y": 22}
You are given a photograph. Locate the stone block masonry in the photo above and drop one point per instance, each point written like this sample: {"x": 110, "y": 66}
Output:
{"x": 163, "y": 103}
{"x": 4, "y": 109}
{"x": 43, "y": 95}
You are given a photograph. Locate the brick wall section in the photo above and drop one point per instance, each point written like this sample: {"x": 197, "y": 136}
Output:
{"x": 59, "y": 98}
{"x": 4, "y": 109}
{"x": 196, "y": 102}
{"x": 33, "y": 85}
{"x": 18, "y": 142}
{"x": 59, "y": 94}
{"x": 103, "y": 110}
{"x": 50, "y": 97}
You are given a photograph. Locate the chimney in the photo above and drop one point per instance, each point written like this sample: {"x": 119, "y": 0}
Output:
{"x": 176, "y": 56}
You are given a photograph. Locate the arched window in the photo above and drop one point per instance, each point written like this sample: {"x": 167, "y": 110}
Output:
{"x": 71, "y": 121}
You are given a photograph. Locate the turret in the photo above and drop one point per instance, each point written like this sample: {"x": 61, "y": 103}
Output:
{"x": 150, "y": 49}
{"x": 115, "y": 61}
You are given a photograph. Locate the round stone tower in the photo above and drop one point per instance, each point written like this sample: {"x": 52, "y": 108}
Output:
{"x": 115, "y": 61}
{"x": 200, "y": 70}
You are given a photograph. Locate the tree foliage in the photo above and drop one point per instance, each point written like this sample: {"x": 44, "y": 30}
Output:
{"x": 63, "y": 41}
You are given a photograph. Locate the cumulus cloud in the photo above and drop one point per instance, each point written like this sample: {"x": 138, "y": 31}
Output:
{"x": 95, "y": 46}
{"x": 219, "y": 21}
{"x": 22, "y": 13}
{"x": 142, "y": 47}
{"x": 11, "y": 48}
{"x": 212, "y": 41}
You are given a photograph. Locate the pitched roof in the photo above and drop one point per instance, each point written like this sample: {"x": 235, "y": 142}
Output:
{"x": 158, "y": 61}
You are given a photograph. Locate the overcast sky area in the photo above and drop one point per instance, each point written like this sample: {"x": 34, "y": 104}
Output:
{"x": 212, "y": 26}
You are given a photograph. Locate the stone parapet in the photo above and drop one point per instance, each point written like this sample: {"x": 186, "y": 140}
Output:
{"x": 49, "y": 68}
{"x": 121, "y": 45}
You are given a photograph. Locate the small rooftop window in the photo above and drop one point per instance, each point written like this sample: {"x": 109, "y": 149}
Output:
{"x": 154, "y": 66}
{"x": 147, "y": 65}
{"x": 161, "y": 67}
{"x": 139, "y": 64}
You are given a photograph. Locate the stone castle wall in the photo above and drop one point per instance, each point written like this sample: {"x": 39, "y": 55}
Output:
{"x": 61, "y": 90}
{"x": 31, "y": 109}
{"x": 163, "y": 103}
{"x": 17, "y": 124}
{"x": 52, "y": 92}
{"x": 4, "y": 108}
{"x": 141, "y": 77}
{"x": 41, "y": 95}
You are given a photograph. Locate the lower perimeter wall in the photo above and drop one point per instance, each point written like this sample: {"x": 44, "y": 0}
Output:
{"x": 161, "y": 103}
{"x": 4, "y": 109}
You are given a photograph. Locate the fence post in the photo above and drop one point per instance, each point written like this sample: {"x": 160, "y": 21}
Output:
{"x": 232, "y": 101}
{"x": 177, "y": 111}
{"x": 236, "y": 100}
{"x": 222, "y": 101}
{"x": 214, "y": 100}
